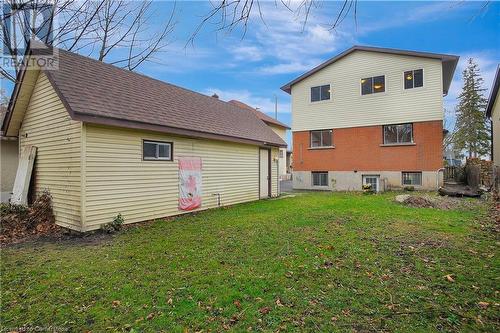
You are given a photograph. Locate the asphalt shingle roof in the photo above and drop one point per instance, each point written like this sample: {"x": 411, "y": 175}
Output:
{"x": 98, "y": 91}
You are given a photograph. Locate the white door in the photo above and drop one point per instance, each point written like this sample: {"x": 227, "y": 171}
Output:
{"x": 373, "y": 180}
{"x": 264, "y": 173}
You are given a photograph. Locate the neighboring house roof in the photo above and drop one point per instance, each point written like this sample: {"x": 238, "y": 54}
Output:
{"x": 449, "y": 63}
{"x": 96, "y": 92}
{"x": 493, "y": 93}
{"x": 262, "y": 116}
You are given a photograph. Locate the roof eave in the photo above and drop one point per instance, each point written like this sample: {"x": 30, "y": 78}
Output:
{"x": 443, "y": 57}
{"x": 493, "y": 93}
{"x": 109, "y": 121}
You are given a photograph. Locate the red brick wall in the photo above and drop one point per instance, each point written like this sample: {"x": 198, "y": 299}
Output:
{"x": 359, "y": 148}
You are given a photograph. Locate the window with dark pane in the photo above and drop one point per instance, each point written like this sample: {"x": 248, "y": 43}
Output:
{"x": 372, "y": 85}
{"x": 320, "y": 93}
{"x": 408, "y": 79}
{"x": 149, "y": 150}
{"x": 418, "y": 78}
{"x": 366, "y": 86}
{"x": 378, "y": 84}
{"x": 320, "y": 178}
{"x": 325, "y": 92}
{"x": 412, "y": 178}
{"x": 315, "y": 94}
{"x": 321, "y": 138}
{"x": 414, "y": 78}
{"x": 156, "y": 150}
{"x": 396, "y": 134}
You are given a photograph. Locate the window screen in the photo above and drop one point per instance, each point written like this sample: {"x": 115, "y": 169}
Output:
{"x": 320, "y": 178}
{"x": 156, "y": 150}
{"x": 412, "y": 178}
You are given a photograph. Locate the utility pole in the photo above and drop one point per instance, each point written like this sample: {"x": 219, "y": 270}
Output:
{"x": 275, "y": 107}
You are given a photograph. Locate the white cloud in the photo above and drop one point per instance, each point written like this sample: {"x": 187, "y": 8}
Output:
{"x": 290, "y": 67}
{"x": 247, "y": 53}
{"x": 265, "y": 104}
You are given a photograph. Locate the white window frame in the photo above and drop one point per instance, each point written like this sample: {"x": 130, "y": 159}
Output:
{"x": 319, "y": 147}
{"x": 170, "y": 146}
{"x": 373, "y": 93}
{"x": 321, "y": 100}
{"x": 412, "y": 70}
{"x": 377, "y": 177}
{"x": 398, "y": 143}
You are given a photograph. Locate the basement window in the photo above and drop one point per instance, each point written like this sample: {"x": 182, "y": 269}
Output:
{"x": 372, "y": 85}
{"x": 414, "y": 78}
{"x": 319, "y": 178}
{"x": 411, "y": 178}
{"x": 156, "y": 150}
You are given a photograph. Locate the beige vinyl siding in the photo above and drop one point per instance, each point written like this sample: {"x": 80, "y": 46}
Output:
{"x": 279, "y": 130}
{"x": 8, "y": 163}
{"x": 274, "y": 172}
{"x": 282, "y": 160}
{"x": 119, "y": 181}
{"x": 348, "y": 108}
{"x": 495, "y": 117}
{"x": 48, "y": 126}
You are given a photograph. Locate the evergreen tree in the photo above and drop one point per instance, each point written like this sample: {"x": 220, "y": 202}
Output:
{"x": 472, "y": 133}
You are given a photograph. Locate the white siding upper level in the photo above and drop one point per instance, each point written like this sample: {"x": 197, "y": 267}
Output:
{"x": 348, "y": 108}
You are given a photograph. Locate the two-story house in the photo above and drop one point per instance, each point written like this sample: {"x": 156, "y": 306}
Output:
{"x": 370, "y": 116}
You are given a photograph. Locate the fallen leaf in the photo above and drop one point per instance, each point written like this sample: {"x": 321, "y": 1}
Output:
{"x": 449, "y": 277}
{"x": 237, "y": 304}
{"x": 150, "y": 316}
{"x": 170, "y": 301}
{"x": 278, "y": 302}
{"x": 334, "y": 318}
{"x": 483, "y": 305}
{"x": 265, "y": 310}
{"x": 385, "y": 277}
{"x": 116, "y": 303}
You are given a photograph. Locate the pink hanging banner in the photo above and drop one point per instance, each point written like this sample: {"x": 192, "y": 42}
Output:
{"x": 189, "y": 183}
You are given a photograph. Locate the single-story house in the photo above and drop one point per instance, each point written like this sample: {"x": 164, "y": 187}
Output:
{"x": 8, "y": 161}
{"x": 110, "y": 141}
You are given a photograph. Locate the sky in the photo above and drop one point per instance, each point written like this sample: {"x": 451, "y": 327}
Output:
{"x": 278, "y": 47}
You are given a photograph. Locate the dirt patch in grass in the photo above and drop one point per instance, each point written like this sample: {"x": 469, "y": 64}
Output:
{"x": 439, "y": 202}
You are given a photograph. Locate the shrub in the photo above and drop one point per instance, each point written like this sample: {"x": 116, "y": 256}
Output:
{"x": 115, "y": 225}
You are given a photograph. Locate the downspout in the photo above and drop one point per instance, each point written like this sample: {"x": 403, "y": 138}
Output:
{"x": 437, "y": 177}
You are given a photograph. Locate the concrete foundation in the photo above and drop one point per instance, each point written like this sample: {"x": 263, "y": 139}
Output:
{"x": 353, "y": 181}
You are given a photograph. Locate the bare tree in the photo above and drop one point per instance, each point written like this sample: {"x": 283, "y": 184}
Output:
{"x": 230, "y": 14}
{"x": 110, "y": 29}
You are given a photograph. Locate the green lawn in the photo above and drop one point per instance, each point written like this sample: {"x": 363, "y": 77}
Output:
{"x": 314, "y": 262}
